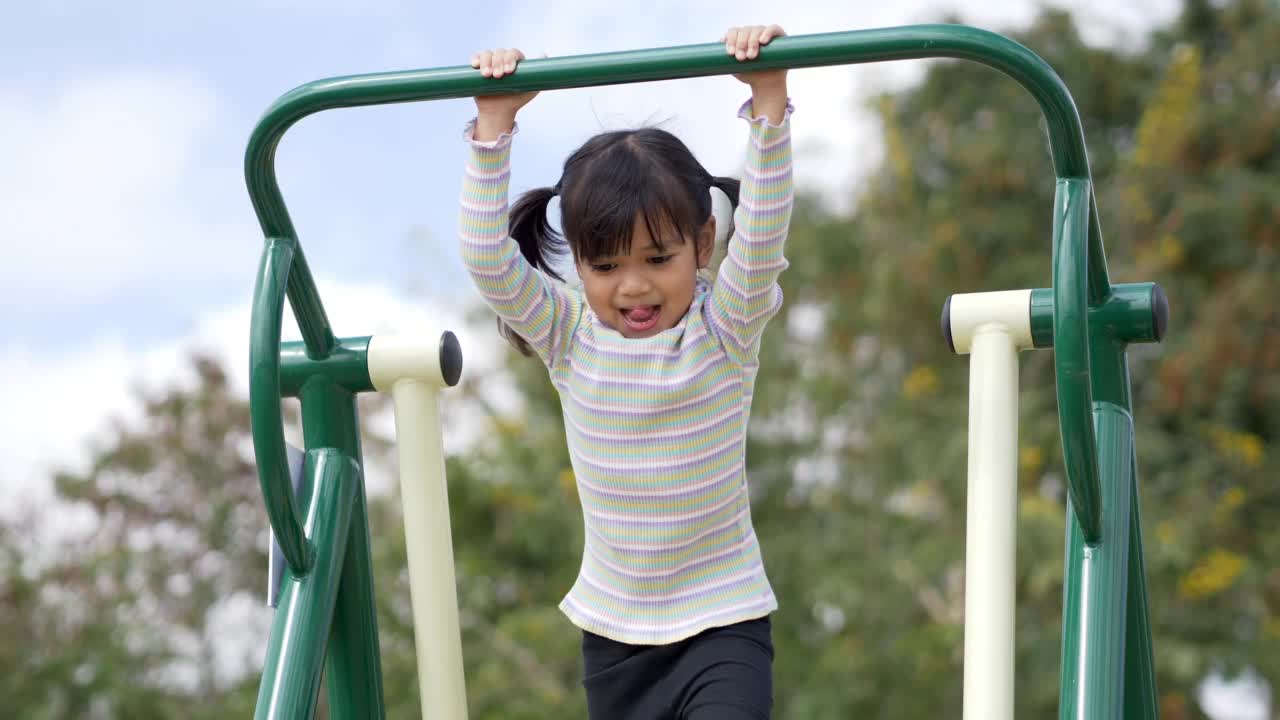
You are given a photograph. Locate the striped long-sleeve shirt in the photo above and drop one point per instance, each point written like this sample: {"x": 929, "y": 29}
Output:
{"x": 656, "y": 426}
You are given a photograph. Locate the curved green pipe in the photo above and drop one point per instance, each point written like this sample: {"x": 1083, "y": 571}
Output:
{"x": 1087, "y": 284}
{"x": 1071, "y": 354}
{"x": 1066, "y": 139}
{"x": 264, "y": 405}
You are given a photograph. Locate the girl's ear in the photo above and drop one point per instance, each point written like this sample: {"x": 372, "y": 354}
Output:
{"x": 706, "y": 243}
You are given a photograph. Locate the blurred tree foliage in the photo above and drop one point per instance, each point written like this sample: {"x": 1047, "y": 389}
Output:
{"x": 857, "y": 452}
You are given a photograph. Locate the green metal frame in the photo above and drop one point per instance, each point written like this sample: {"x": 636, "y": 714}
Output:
{"x": 327, "y": 601}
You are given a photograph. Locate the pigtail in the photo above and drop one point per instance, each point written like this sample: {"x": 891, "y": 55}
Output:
{"x": 730, "y": 188}
{"x": 538, "y": 242}
{"x": 531, "y": 230}
{"x": 511, "y": 336}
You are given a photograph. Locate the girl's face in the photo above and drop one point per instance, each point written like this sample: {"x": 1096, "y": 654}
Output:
{"x": 647, "y": 290}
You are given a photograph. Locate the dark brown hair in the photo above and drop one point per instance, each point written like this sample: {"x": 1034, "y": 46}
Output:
{"x": 606, "y": 184}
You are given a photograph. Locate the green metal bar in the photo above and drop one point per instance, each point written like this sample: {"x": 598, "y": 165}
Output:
{"x": 347, "y": 365}
{"x": 355, "y": 657}
{"x": 304, "y": 298}
{"x": 1109, "y": 370}
{"x": 1094, "y": 639}
{"x": 1081, "y": 285}
{"x": 1069, "y": 687}
{"x": 1109, "y": 373}
{"x": 1133, "y": 313}
{"x": 1108, "y": 366}
{"x": 1071, "y": 353}
{"x": 1099, "y": 290}
{"x": 353, "y": 674}
{"x": 264, "y": 405}
{"x": 300, "y": 629}
{"x": 1141, "y": 701}
{"x": 924, "y": 41}
{"x": 1042, "y": 318}
{"x": 859, "y": 46}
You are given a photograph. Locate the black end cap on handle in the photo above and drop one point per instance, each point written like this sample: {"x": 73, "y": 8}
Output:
{"x": 1159, "y": 312}
{"x": 450, "y": 358}
{"x": 946, "y": 324}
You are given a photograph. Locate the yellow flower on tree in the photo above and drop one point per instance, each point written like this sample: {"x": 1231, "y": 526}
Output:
{"x": 1215, "y": 573}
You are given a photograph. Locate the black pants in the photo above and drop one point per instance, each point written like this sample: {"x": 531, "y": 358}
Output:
{"x": 718, "y": 674}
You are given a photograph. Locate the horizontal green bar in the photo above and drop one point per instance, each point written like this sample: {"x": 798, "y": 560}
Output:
{"x": 838, "y": 48}
{"x": 346, "y": 366}
{"x": 1132, "y": 313}
{"x": 861, "y": 46}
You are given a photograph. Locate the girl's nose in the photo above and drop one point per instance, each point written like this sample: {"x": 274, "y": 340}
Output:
{"x": 634, "y": 284}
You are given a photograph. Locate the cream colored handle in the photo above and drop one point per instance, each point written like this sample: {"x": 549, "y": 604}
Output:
{"x": 970, "y": 311}
{"x": 429, "y": 544}
{"x": 991, "y": 522}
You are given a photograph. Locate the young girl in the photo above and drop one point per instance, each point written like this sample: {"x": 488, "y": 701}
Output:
{"x": 655, "y": 368}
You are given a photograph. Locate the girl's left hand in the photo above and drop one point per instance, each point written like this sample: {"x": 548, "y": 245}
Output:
{"x": 744, "y": 43}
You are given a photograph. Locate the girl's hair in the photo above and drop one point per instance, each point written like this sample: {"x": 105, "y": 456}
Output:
{"x": 607, "y": 183}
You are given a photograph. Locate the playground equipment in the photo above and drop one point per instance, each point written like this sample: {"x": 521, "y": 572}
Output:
{"x": 325, "y": 621}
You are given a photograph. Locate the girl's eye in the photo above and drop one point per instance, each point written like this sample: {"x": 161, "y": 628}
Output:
{"x": 660, "y": 259}
{"x": 603, "y": 267}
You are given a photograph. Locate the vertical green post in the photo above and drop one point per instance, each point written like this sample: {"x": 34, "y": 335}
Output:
{"x": 1093, "y": 644}
{"x": 1109, "y": 371}
{"x": 300, "y": 628}
{"x": 354, "y": 666}
{"x": 1140, "y": 700}
{"x": 355, "y": 659}
{"x": 1106, "y": 651}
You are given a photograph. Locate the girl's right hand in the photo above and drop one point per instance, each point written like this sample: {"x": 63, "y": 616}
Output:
{"x": 496, "y": 114}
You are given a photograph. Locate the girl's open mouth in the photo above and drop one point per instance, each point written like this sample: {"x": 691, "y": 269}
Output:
{"x": 641, "y": 318}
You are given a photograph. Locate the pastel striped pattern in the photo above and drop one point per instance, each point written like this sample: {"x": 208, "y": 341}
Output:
{"x": 656, "y": 427}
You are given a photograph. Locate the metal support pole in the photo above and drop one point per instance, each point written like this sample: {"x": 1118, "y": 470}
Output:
{"x": 1095, "y": 604}
{"x": 300, "y": 628}
{"x": 412, "y": 370}
{"x": 991, "y": 523}
{"x": 991, "y": 327}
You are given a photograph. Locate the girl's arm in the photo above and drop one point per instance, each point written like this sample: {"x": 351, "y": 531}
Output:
{"x": 536, "y": 307}
{"x": 746, "y": 293}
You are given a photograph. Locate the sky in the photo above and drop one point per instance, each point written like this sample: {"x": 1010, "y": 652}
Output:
{"x": 126, "y": 235}
{"x": 127, "y": 240}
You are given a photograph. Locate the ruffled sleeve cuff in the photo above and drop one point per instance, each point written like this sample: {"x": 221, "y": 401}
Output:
{"x": 748, "y": 108}
{"x": 503, "y": 142}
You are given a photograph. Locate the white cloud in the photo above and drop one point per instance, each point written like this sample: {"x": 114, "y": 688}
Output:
{"x": 109, "y": 181}
{"x": 106, "y": 186}
{"x": 118, "y": 187}
{"x": 836, "y": 139}
{"x": 834, "y": 142}
{"x": 59, "y": 406}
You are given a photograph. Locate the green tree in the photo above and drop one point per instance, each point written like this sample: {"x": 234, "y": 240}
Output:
{"x": 129, "y": 619}
{"x": 856, "y": 454}
{"x": 1184, "y": 138}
